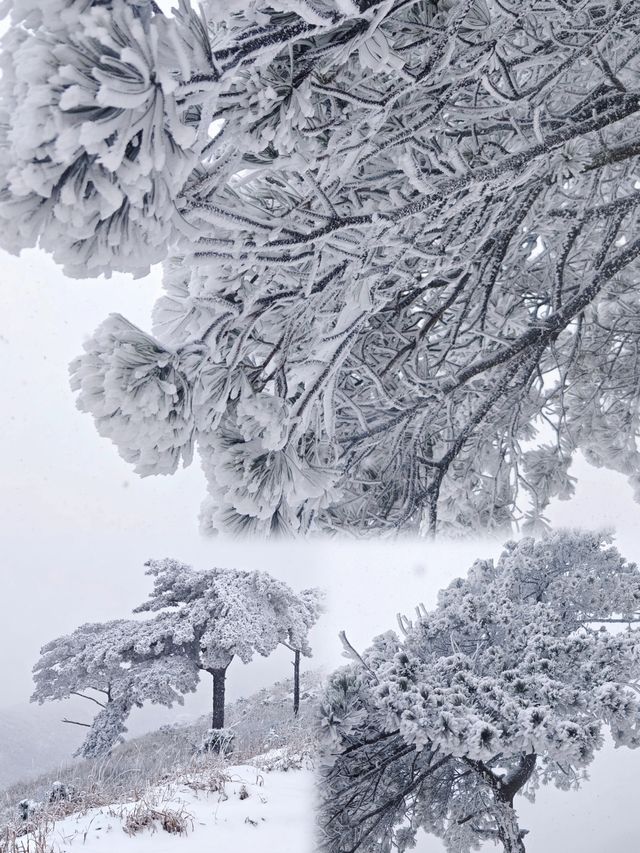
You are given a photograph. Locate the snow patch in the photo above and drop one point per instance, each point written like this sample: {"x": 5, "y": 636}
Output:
{"x": 243, "y": 808}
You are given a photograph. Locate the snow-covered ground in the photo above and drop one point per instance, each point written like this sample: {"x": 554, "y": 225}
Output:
{"x": 245, "y": 809}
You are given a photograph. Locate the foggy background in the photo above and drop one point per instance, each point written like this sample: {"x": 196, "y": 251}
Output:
{"x": 76, "y": 525}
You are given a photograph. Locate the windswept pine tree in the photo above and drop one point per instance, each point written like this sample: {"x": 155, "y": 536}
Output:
{"x": 205, "y": 619}
{"x": 228, "y": 613}
{"x": 509, "y": 683}
{"x": 116, "y": 666}
{"x": 398, "y": 238}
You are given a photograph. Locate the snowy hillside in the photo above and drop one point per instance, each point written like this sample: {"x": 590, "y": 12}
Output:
{"x": 34, "y": 743}
{"x": 261, "y": 793}
{"x": 239, "y": 808}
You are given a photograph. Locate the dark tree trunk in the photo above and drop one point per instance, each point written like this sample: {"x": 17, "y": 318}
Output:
{"x": 509, "y": 832}
{"x": 504, "y": 791}
{"x": 217, "y": 716}
{"x": 296, "y": 682}
{"x": 518, "y": 778}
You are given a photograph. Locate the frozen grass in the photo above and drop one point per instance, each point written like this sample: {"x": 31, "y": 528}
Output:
{"x": 238, "y": 808}
{"x": 265, "y": 729}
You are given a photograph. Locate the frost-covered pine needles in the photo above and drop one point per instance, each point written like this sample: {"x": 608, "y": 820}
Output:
{"x": 399, "y": 243}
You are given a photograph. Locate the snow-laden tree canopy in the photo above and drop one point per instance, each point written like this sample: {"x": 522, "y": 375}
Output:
{"x": 509, "y": 683}
{"x": 201, "y": 620}
{"x": 399, "y": 236}
{"x": 116, "y": 665}
{"x": 224, "y": 613}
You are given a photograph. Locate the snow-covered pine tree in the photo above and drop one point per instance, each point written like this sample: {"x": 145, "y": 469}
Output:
{"x": 509, "y": 683}
{"x": 228, "y": 613}
{"x": 117, "y": 666}
{"x": 397, "y": 236}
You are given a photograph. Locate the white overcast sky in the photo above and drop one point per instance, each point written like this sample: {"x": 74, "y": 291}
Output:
{"x": 76, "y": 525}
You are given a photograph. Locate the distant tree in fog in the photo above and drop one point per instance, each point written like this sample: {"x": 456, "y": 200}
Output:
{"x": 307, "y": 612}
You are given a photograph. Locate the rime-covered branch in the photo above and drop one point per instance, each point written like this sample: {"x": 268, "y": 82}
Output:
{"x": 508, "y": 683}
{"x": 370, "y": 213}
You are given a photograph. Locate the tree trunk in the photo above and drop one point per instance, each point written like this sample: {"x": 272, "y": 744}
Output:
{"x": 217, "y": 716}
{"x": 509, "y": 831}
{"x": 504, "y": 792}
{"x": 518, "y": 778}
{"x": 296, "y": 682}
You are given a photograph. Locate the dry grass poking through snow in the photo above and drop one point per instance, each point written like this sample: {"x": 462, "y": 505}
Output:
{"x": 144, "y": 816}
{"x": 37, "y": 842}
{"x": 267, "y": 736}
{"x": 238, "y": 807}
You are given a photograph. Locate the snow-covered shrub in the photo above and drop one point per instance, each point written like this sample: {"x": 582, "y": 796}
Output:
{"x": 27, "y": 809}
{"x": 217, "y": 741}
{"x": 62, "y": 792}
{"x": 283, "y": 759}
{"x": 144, "y": 816}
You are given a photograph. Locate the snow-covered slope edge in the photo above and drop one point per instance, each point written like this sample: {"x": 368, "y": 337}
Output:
{"x": 240, "y": 807}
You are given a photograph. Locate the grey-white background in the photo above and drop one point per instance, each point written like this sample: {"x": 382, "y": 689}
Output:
{"x": 76, "y": 525}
